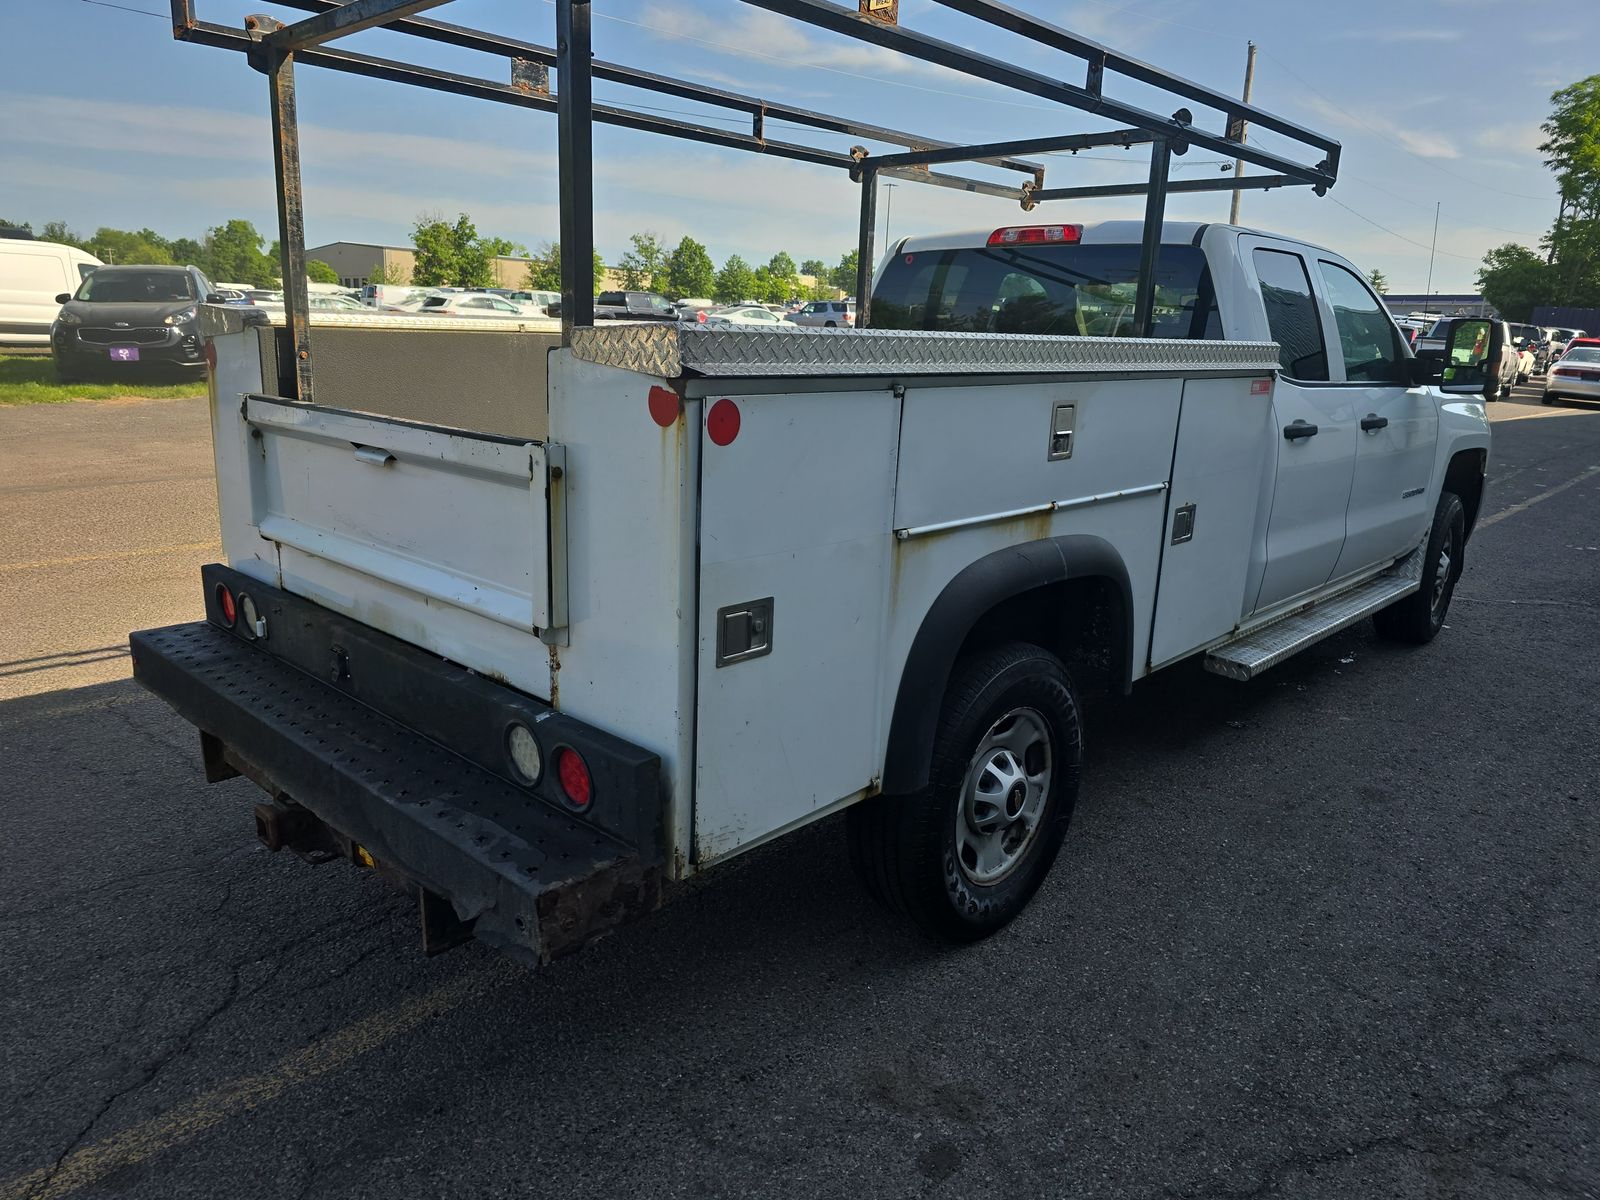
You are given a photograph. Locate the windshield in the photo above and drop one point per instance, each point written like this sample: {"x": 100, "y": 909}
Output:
{"x": 111, "y": 286}
{"x": 1583, "y": 354}
{"x": 1065, "y": 289}
{"x": 1566, "y": 335}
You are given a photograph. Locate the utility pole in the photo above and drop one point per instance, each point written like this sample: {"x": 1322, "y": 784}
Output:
{"x": 888, "y": 212}
{"x": 1432, "y": 251}
{"x": 1238, "y": 129}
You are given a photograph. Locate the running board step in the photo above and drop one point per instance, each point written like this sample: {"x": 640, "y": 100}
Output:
{"x": 1268, "y": 645}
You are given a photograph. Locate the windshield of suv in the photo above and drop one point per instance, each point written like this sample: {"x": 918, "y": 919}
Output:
{"x": 108, "y": 285}
{"x": 1063, "y": 289}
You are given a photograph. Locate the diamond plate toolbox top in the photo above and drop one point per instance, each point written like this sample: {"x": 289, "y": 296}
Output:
{"x": 670, "y": 351}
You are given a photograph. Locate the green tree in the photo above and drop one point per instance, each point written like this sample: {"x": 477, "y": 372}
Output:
{"x": 735, "y": 282}
{"x": 843, "y": 276}
{"x": 815, "y": 268}
{"x": 23, "y": 225}
{"x": 821, "y": 290}
{"x": 690, "y": 271}
{"x": 1515, "y": 280}
{"x": 544, "y": 269}
{"x": 1573, "y": 153}
{"x": 644, "y": 264}
{"x": 783, "y": 278}
{"x": 232, "y": 254}
{"x": 129, "y": 246}
{"x": 1379, "y": 281}
{"x": 320, "y": 272}
{"x": 452, "y": 255}
{"x": 392, "y": 273}
{"x": 57, "y": 231}
{"x": 188, "y": 251}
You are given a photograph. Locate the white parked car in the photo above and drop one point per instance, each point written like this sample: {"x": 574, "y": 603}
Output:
{"x": 1575, "y": 374}
{"x": 32, "y": 275}
{"x": 826, "y": 314}
{"x": 740, "y": 314}
{"x": 478, "y": 304}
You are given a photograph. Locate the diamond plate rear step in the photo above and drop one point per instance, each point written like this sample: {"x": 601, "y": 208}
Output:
{"x": 1255, "y": 650}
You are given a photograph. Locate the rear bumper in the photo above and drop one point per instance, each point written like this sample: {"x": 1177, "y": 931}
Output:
{"x": 424, "y": 800}
{"x": 1577, "y": 389}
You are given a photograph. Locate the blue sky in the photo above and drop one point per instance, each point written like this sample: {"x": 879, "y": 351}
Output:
{"x": 108, "y": 121}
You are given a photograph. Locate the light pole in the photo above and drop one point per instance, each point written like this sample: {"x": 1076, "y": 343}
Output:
{"x": 888, "y": 211}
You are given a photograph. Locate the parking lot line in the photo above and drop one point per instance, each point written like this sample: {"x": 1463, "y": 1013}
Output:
{"x": 1523, "y": 505}
{"x": 41, "y": 564}
{"x": 87, "y": 1166}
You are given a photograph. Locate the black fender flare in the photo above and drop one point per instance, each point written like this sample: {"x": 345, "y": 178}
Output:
{"x": 965, "y": 600}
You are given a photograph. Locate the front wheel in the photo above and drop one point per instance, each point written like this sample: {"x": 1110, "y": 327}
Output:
{"x": 1419, "y": 617}
{"x": 964, "y": 856}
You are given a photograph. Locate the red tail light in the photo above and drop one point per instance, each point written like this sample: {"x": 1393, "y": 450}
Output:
{"x": 574, "y": 775}
{"x": 1036, "y": 235}
{"x": 700, "y": 316}
{"x": 225, "y": 605}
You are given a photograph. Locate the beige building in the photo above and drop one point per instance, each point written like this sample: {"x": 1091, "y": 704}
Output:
{"x": 358, "y": 264}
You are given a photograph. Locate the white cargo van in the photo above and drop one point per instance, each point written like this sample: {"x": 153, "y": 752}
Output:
{"x": 32, "y": 275}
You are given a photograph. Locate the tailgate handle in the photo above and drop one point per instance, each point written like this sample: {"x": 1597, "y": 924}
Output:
{"x": 375, "y": 455}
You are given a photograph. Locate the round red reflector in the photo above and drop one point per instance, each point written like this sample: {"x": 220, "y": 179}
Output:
{"x": 225, "y": 605}
{"x": 664, "y": 407}
{"x": 574, "y": 775}
{"x": 722, "y": 422}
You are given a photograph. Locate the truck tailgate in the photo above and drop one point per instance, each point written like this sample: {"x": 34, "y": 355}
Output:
{"x": 460, "y": 519}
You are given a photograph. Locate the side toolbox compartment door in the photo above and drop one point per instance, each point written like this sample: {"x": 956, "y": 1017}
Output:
{"x": 796, "y": 499}
{"x": 1221, "y": 492}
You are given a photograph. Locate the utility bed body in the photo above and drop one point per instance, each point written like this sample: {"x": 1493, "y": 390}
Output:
{"x": 750, "y": 557}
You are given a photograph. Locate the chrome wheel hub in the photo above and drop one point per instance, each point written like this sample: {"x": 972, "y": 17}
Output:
{"x": 1003, "y": 796}
{"x": 1441, "y": 575}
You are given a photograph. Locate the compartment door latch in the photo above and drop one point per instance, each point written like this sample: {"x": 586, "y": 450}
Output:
{"x": 744, "y": 631}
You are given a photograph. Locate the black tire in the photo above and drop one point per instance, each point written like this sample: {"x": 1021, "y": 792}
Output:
{"x": 830, "y": 324}
{"x": 1418, "y": 618}
{"x": 1550, "y": 398}
{"x": 904, "y": 848}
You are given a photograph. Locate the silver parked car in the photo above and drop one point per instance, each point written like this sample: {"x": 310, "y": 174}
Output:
{"x": 826, "y": 314}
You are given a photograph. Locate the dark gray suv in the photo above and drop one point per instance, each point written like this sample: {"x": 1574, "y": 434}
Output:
{"x": 133, "y": 318}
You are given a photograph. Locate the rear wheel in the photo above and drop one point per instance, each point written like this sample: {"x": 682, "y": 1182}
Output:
{"x": 830, "y": 324}
{"x": 964, "y": 856}
{"x": 1419, "y": 617}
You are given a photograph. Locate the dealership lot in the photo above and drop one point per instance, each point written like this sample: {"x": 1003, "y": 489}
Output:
{"x": 1268, "y": 963}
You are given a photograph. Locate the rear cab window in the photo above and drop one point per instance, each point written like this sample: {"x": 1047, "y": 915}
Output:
{"x": 1292, "y": 315}
{"x": 1072, "y": 289}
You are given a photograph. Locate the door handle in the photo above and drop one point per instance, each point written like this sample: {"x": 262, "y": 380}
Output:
{"x": 1296, "y": 430}
{"x": 1373, "y": 421}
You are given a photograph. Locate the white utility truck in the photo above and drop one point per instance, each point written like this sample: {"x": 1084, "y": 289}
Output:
{"x": 538, "y": 622}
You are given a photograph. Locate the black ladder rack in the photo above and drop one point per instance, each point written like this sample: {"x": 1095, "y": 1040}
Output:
{"x": 275, "y": 48}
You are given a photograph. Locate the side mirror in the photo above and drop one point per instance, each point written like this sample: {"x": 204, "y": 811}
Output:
{"x": 216, "y": 298}
{"x": 63, "y": 297}
{"x": 1469, "y": 365}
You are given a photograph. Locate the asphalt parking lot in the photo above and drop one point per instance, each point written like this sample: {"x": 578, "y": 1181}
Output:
{"x": 1334, "y": 933}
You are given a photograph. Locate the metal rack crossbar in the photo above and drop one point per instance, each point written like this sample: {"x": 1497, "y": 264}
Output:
{"x": 275, "y": 48}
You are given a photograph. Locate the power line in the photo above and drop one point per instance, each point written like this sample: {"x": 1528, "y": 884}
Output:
{"x": 1401, "y": 236}
{"x": 143, "y": 11}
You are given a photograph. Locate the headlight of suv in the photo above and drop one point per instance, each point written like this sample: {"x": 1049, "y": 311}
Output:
{"x": 67, "y": 318}
{"x": 182, "y": 318}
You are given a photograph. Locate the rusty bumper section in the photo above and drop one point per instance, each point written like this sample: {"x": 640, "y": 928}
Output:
{"x": 517, "y": 871}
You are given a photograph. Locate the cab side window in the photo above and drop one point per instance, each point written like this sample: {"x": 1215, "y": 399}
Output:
{"x": 1366, "y": 333}
{"x": 1292, "y": 315}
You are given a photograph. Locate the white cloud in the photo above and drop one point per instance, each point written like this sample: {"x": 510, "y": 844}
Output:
{"x": 1520, "y": 139}
{"x": 1424, "y": 142}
